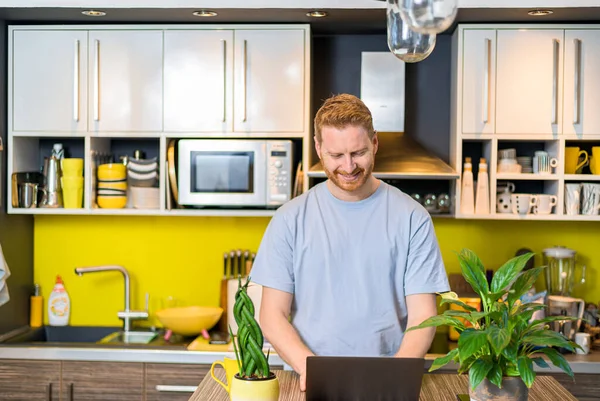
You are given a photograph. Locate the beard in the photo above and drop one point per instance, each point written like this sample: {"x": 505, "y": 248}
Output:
{"x": 350, "y": 181}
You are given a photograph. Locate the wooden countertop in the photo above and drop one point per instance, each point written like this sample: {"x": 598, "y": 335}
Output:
{"x": 436, "y": 387}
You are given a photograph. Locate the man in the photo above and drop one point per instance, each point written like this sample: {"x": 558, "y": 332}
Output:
{"x": 354, "y": 260}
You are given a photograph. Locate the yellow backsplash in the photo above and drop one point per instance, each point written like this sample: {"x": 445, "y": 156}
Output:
{"x": 182, "y": 256}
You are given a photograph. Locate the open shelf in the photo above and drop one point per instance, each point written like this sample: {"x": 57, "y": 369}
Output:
{"x": 527, "y": 177}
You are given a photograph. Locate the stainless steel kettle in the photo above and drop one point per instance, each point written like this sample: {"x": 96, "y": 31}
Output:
{"x": 53, "y": 197}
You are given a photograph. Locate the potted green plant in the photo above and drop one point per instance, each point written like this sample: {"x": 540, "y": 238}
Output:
{"x": 501, "y": 344}
{"x": 254, "y": 379}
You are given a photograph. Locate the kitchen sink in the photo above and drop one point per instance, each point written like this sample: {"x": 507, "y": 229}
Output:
{"x": 131, "y": 337}
{"x": 63, "y": 334}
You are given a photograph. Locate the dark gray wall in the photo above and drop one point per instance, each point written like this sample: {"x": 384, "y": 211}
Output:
{"x": 16, "y": 231}
{"x": 336, "y": 69}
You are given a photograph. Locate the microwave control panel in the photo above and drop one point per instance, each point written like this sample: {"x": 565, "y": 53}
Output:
{"x": 279, "y": 172}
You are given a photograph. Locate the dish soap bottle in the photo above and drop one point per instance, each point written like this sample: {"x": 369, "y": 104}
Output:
{"x": 467, "y": 199}
{"x": 59, "y": 305}
{"x": 36, "y": 302}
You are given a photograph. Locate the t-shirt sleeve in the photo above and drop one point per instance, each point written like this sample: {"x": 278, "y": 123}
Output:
{"x": 425, "y": 272}
{"x": 273, "y": 266}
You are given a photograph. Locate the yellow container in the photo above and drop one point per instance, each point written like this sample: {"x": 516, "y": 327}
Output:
{"x": 254, "y": 389}
{"x": 475, "y": 303}
{"x": 189, "y": 320}
{"x": 112, "y": 171}
{"x": 231, "y": 368}
{"x": 111, "y": 202}
{"x": 72, "y": 167}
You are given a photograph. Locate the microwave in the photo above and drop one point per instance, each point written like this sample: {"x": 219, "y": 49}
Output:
{"x": 234, "y": 172}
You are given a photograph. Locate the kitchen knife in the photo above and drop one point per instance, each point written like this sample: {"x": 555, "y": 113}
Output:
{"x": 238, "y": 271}
{"x": 250, "y": 264}
{"x": 232, "y": 264}
{"x": 245, "y": 261}
{"x": 223, "y": 320}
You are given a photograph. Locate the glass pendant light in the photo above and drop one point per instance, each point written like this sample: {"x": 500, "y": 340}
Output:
{"x": 406, "y": 44}
{"x": 428, "y": 16}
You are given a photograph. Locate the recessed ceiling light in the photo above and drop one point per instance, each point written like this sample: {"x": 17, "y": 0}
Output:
{"x": 94, "y": 13}
{"x": 539, "y": 13}
{"x": 316, "y": 14}
{"x": 204, "y": 13}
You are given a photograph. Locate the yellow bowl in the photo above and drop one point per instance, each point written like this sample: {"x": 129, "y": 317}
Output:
{"x": 111, "y": 202}
{"x": 189, "y": 320}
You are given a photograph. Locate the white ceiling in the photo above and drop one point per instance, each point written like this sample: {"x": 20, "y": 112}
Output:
{"x": 318, "y": 4}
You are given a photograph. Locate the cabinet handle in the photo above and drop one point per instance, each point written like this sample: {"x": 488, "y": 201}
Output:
{"x": 76, "y": 82}
{"x": 49, "y": 394}
{"x": 224, "y": 79}
{"x": 70, "y": 391}
{"x": 486, "y": 81}
{"x": 96, "y": 80}
{"x": 244, "y": 76}
{"x": 555, "y": 44}
{"x": 576, "y": 106}
{"x": 176, "y": 389}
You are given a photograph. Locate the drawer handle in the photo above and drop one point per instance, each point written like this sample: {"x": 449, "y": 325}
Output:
{"x": 76, "y": 82}
{"x": 576, "y": 108}
{"x": 49, "y": 395}
{"x": 486, "y": 81}
{"x": 555, "y": 68}
{"x": 175, "y": 389}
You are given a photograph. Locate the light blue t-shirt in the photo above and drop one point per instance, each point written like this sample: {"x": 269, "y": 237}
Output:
{"x": 350, "y": 266}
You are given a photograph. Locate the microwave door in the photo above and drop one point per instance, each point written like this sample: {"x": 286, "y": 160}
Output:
{"x": 228, "y": 174}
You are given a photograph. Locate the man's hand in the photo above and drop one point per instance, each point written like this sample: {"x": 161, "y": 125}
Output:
{"x": 274, "y": 321}
{"x": 415, "y": 344}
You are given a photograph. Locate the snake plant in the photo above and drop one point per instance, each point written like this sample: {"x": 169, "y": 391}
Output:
{"x": 252, "y": 362}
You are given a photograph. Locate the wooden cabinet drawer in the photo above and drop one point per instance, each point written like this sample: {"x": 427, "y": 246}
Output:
{"x": 173, "y": 381}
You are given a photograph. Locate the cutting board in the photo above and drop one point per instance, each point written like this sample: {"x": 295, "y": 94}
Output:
{"x": 255, "y": 294}
{"x": 202, "y": 344}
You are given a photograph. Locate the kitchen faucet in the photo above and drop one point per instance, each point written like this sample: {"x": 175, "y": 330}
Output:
{"x": 127, "y": 315}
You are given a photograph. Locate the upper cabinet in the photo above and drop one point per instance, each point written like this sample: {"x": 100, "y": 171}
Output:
{"x": 246, "y": 80}
{"x": 125, "y": 81}
{"x": 48, "y": 80}
{"x": 198, "y": 81}
{"x": 270, "y": 81}
{"x": 529, "y": 81}
{"x": 582, "y": 82}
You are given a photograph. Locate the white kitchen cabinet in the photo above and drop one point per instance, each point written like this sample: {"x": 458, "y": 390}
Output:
{"x": 270, "y": 86}
{"x": 529, "y": 79}
{"x": 125, "y": 80}
{"x": 478, "y": 81}
{"x": 49, "y": 81}
{"x": 198, "y": 80}
{"x": 582, "y": 83}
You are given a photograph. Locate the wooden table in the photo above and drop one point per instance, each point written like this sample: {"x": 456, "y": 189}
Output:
{"x": 436, "y": 387}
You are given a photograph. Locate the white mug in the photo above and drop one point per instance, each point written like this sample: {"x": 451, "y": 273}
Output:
{"x": 543, "y": 163}
{"x": 522, "y": 203}
{"x": 584, "y": 340}
{"x": 544, "y": 204}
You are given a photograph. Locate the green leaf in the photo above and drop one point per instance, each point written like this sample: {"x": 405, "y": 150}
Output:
{"x": 547, "y": 338}
{"x": 443, "y": 360}
{"x": 511, "y": 370}
{"x": 473, "y": 272}
{"x": 495, "y": 375}
{"x": 498, "y": 338}
{"x": 509, "y": 271}
{"x": 523, "y": 284}
{"x": 472, "y": 317}
{"x": 557, "y": 360}
{"x": 459, "y": 303}
{"x": 495, "y": 296}
{"x": 526, "y": 370}
{"x": 540, "y": 362}
{"x": 550, "y": 319}
{"x": 511, "y": 352}
{"x": 479, "y": 371}
{"x": 471, "y": 341}
{"x": 439, "y": 320}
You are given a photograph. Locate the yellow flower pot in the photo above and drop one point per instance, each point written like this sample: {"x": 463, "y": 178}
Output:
{"x": 254, "y": 389}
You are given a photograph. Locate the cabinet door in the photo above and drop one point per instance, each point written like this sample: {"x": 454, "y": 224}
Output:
{"x": 269, "y": 81}
{"x": 171, "y": 382}
{"x": 198, "y": 81}
{"x": 18, "y": 383}
{"x": 126, "y": 81}
{"x": 582, "y": 83}
{"x": 49, "y": 81}
{"x": 529, "y": 81}
{"x": 478, "y": 81}
{"x": 102, "y": 381}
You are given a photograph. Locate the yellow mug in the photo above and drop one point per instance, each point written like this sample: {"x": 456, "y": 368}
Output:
{"x": 572, "y": 154}
{"x": 231, "y": 368}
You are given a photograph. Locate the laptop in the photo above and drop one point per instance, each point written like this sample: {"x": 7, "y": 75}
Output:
{"x": 346, "y": 378}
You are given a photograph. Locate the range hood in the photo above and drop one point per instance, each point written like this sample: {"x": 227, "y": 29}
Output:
{"x": 399, "y": 155}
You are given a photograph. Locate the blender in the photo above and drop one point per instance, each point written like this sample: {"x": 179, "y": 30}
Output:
{"x": 560, "y": 271}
